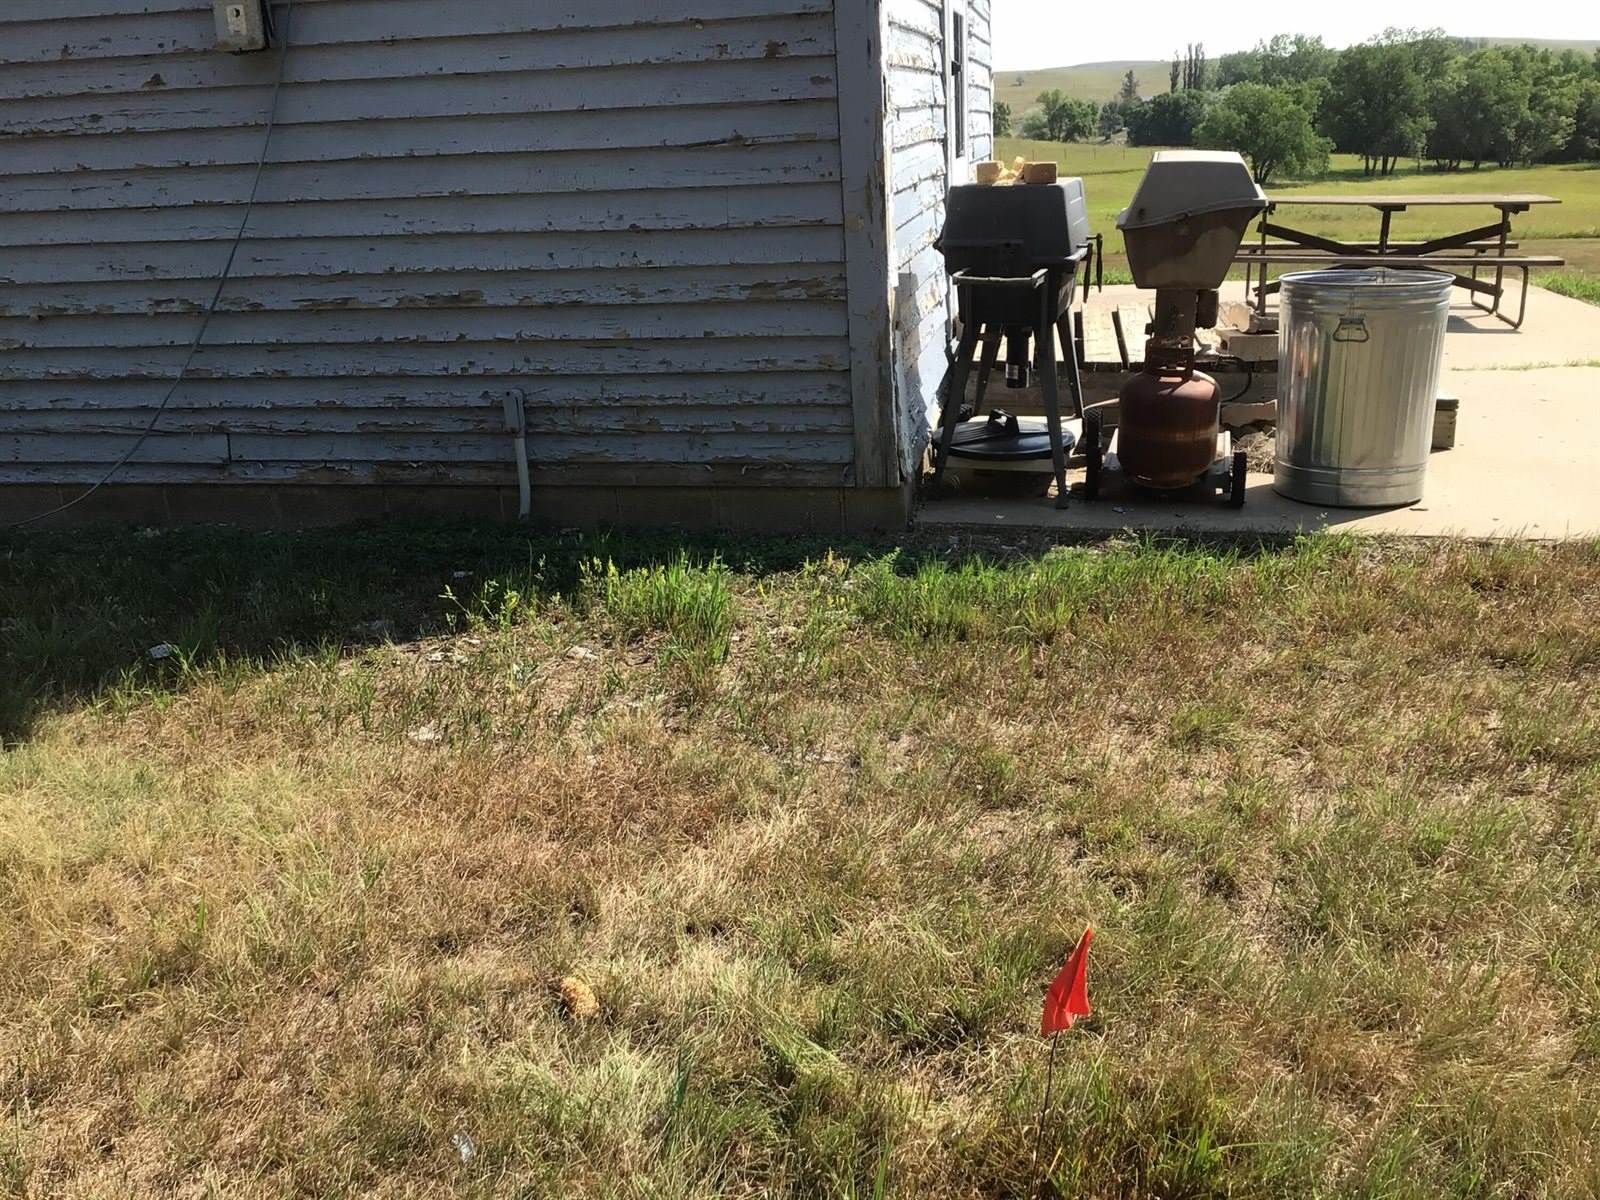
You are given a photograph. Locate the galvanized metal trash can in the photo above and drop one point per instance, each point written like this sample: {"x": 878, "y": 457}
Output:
{"x": 1358, "y": 371}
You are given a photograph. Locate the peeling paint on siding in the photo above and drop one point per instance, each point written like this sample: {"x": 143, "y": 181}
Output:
{"x": 633, "y": 217}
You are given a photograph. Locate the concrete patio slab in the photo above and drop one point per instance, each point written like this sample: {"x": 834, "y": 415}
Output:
{"x": 1526, "y": 464}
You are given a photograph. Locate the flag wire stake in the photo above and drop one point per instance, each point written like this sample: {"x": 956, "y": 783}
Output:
{"x": 1044, "y": 1109}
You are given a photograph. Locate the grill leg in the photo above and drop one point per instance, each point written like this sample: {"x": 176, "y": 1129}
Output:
{"x": 955, "y": 393}
{"x": 991, "y": 355}
{"x": 1046, "y": 352}
{"x": 1069, "y": 347}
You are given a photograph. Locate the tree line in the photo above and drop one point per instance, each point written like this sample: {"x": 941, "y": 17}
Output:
{"x": 1403, "y": 95}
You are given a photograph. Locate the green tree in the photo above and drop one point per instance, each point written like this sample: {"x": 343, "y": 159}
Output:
{"x": 1168, "y": 120}
{"x": 1060, "y": 118}
{"x": 1283, "y": 58}
{"x": 1552, "y": 115}
{"x": 1112, "y": 120}
{"x": 1241, "y": 66}
{"x": 1172, "y": 78}
{"x": 1002, "y": 119}
{"x": 1585, "y": 143}
{"x": 1270, "y": 127}
{"x": 1507, "y": 105}
{"x": 1379, "y": 96}
{"x": 1129, "y": 92}
{"x": 1477, "y": 109}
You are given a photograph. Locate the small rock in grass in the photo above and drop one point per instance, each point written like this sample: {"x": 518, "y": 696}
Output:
{"x": 578, "y": 999}
{"x": 164, "y": 650}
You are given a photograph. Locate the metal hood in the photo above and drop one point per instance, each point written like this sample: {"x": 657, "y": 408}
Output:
{"x": 1180, "y": 184}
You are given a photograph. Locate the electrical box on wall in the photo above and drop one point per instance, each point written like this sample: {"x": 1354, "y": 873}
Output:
{"x": 242, "y": 25}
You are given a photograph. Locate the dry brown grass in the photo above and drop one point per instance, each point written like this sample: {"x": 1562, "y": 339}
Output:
{"x": 291, "y": 921}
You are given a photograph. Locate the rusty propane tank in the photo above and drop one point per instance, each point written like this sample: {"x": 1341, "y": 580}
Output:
{"x": 1168, "y": 425}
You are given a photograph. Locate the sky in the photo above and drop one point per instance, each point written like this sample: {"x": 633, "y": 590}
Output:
{"x": 1058, "y": 33}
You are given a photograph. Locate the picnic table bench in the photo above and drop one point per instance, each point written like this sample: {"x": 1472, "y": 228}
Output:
{"x": 1463, "y": 255}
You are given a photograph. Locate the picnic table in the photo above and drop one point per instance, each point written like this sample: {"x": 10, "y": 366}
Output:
{"x": 1464, "y": 253}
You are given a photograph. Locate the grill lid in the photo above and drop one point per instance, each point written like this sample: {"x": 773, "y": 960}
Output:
{"x": 1013, "y": 229}
{"x": 1190, "y": 183}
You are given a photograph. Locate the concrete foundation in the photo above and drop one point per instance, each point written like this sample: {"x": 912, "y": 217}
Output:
{"x": 734, "y": 509}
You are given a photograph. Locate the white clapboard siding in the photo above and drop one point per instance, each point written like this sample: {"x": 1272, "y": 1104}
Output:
{"x": 627, "y": 212}
{"x": 916, "y": 70}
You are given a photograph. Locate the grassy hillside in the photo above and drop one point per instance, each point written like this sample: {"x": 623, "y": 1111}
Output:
{"x": 1085, "y": 81}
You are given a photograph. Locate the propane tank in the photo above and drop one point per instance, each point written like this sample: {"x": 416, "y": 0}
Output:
{"x": 1168, "y": 425}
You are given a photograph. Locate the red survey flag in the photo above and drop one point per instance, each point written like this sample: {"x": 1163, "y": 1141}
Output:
{"x": 1068, "y": 997}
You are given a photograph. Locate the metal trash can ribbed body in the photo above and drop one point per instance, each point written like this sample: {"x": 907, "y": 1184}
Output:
{"x": 1358, "y": 369}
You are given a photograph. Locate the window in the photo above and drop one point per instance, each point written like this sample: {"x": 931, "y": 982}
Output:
{"x": 958, "y": 81}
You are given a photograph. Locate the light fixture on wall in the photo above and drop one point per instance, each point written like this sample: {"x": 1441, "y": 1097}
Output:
{"x": 243, "y": 25}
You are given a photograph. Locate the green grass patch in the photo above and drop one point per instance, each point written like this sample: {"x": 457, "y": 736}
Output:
{"x": 1578, "y": 285}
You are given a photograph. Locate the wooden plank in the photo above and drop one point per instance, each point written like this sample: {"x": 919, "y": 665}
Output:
{"x": 727, "y": 391}
{"x": 480, "y": 417}
{"x": 1415, "y": 200}
{"x": 800, "y": 36}
{"x": 710, "y": 447}
{"x": 354, "y": 22}
{"x": 706, "y": 322}
{"x": 533, "y": 254}
{"x": 109, "y": 447}
{"x": 386, "y": 101}
{"x": 675, "y": 356}
{"x": 449, "y": 290}
{"x": 858, "y": 34}
{"x": 622, "y": 473}
{"x": 686, "y": 209}
{"x": 591, "y": 133}
{"x": 504, "y": 174}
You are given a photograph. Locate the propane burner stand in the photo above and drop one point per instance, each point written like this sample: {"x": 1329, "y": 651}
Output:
{"x": 1019, "y": 309}
{"x": 1181, "y": 232}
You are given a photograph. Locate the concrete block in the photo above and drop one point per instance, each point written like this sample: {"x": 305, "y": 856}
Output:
{"x": 1236, "y": 314}
{"x": 1251, "y": 347}
{"x": 1444, "y": 422}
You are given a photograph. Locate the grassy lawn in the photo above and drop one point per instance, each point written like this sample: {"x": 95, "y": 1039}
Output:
{"x": 1571, "y": 229}
{"x": 281, "y": 912}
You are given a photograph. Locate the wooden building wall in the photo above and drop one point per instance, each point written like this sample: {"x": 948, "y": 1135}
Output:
{"x": 629, "y": 211}
{"x": 919, "y": 77}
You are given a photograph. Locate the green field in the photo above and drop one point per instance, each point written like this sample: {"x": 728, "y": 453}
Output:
{"x": 1571, "y": 229}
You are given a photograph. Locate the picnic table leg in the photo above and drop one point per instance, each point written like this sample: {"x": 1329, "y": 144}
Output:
{"x": 1522, "y": 307}
{"x": 1500, "y": 271}
{"x": 1383, "y": 231}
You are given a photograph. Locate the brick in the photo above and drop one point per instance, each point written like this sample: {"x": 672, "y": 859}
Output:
{"x": 1251, "y": 347}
